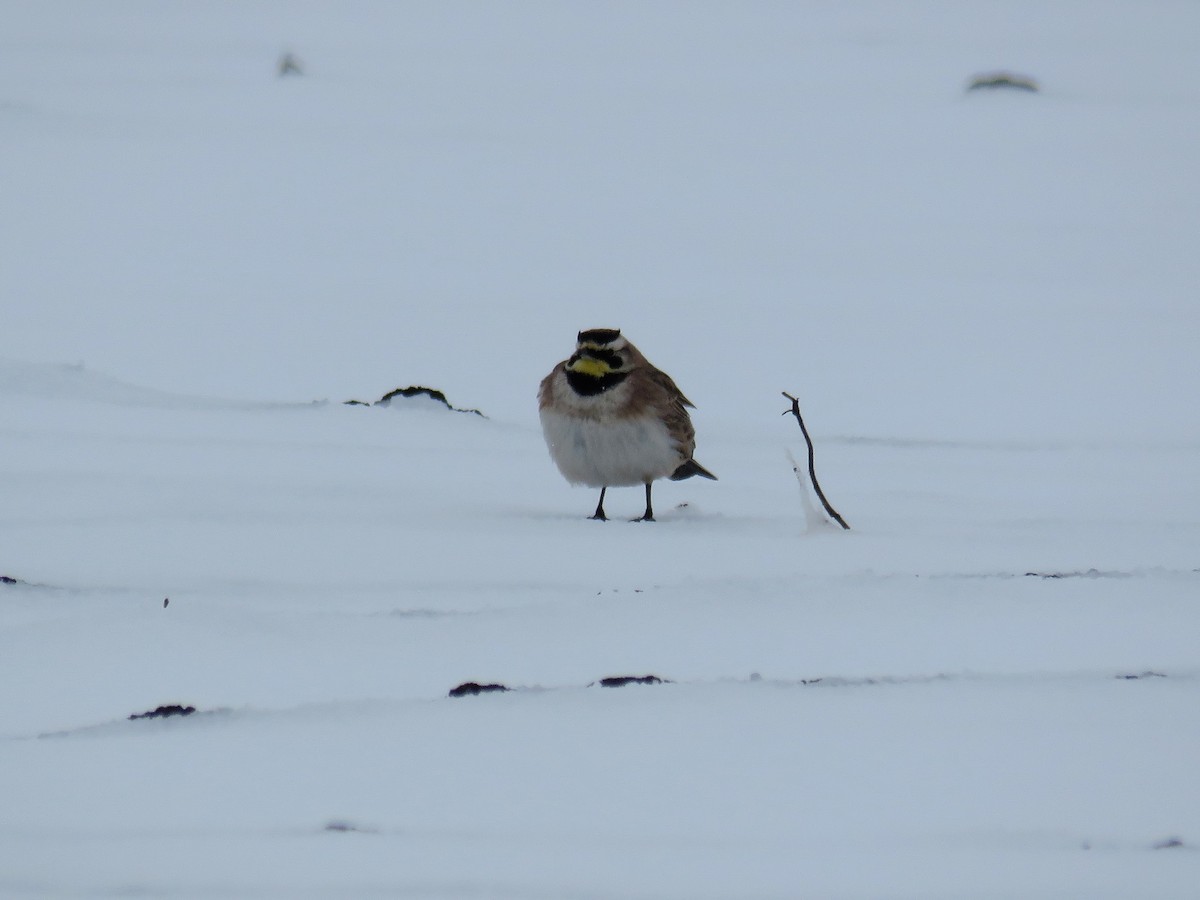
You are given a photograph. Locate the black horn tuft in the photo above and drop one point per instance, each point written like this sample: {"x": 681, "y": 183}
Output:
{"x": 599, "y": 336}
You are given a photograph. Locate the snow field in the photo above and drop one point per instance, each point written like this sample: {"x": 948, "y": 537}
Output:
{"x": 984, "y": 302}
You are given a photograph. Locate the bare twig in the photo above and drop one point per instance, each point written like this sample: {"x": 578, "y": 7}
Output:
{"x": 812, "y": 471}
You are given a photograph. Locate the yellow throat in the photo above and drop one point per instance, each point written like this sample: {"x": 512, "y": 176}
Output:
{"x": 586, "y": 365}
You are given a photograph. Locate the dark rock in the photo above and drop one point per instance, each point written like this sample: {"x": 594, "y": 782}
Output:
{"x": 622, "y": 680}
{"x": 163, "y": 712}
{"x": 8, "y": 579}
{"x": 1169, "y": 844}
{"x": 471, "y": 688}
{"x": 1142, "y": 675}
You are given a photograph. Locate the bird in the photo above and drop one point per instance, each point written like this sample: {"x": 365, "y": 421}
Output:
{"x": 611, "y": 419}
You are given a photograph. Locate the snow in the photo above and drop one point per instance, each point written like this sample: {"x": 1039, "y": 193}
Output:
{"x": 985, "y": 303}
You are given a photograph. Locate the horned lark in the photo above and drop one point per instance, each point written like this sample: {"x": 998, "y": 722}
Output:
{"x": 612, "y": 420}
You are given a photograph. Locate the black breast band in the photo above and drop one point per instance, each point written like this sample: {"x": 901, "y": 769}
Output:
{"x": 590, "y": 385}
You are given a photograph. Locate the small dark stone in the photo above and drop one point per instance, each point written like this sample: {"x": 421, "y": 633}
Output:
{"x": 163, "y": 712}
{"x": 471, "y": 688}
{"x": 1142, "y": 675}
{"x": 8, "y": 579}
{"x": 166, "y": 602}
{"x": 622, "y": 680}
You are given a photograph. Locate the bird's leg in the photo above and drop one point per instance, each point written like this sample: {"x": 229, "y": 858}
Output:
{"x": 648, "y": 515}
{"x": 599, "y": 514}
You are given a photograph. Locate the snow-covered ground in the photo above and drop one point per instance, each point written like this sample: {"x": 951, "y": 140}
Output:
{"x": 985, "y": 301}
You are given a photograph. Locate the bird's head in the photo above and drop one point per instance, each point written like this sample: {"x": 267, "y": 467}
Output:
{"x": 599, "y": 352}
{"x": 601, "y": 360}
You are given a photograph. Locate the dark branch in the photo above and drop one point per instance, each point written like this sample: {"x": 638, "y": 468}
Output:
{"x": 812, "y": 470}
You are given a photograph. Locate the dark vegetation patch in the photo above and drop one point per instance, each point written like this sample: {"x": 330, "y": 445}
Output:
{"x": 289, "y": 64}
{"x": 1170, "y": 843}
{"x": 341, "y": 826}
{"x": 1090, "y": 573}
{"x": 415, "y": 391}
{"x": 622, "y": 680}
{"x": 423, "y": 613}
{"x": 471, "y": 689}
{"x": 1053, "y": 574}
{"x": 1001, "y": 81}
{"x": 164, "y": 712}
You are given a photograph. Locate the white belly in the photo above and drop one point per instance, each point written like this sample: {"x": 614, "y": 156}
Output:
{"x": 621, "y": 453}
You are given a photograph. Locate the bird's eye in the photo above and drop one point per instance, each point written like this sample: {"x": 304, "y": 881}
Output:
{"x": 610, "y": 359}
